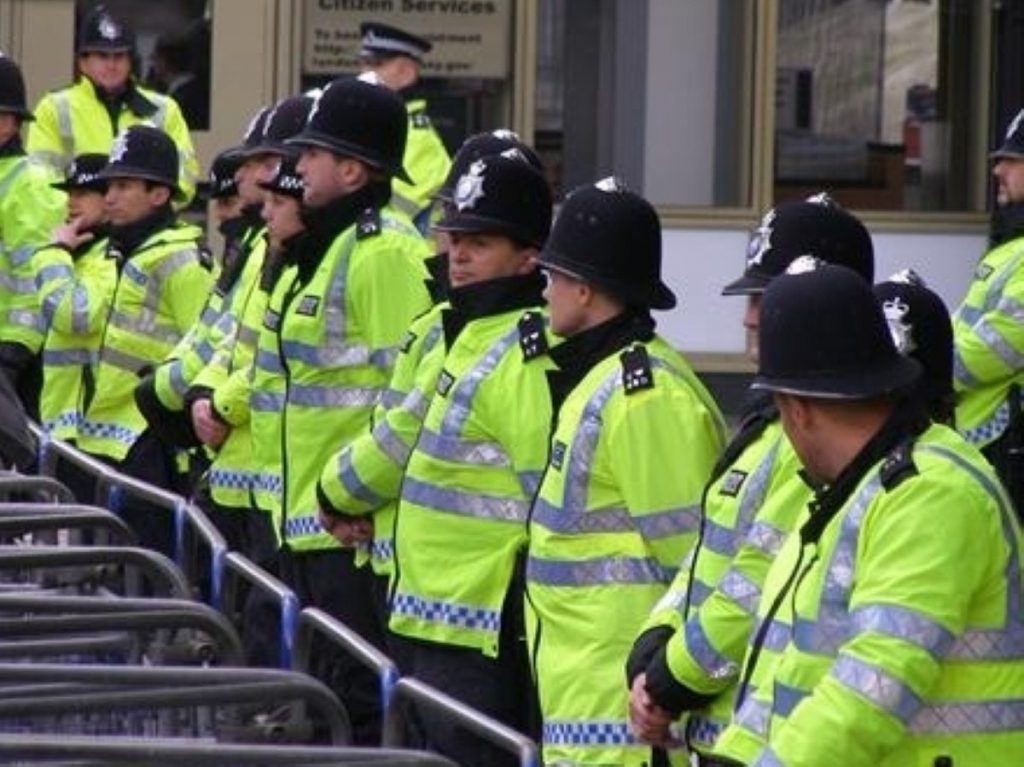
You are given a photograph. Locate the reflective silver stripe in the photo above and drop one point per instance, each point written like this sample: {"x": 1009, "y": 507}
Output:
{"x": 123, "y": 360}
{"x": 456, "y": 450}
{"x": 80, "y": 310}
{"x": 754, "y": 716}
{"x": 204, "y": 350}
{"x": 698, "y": 646}
{"x": 757, "y": 488}
{"x": 877, "y": 686}
{"x": 392, "y": 398}
{"x": 160, "y": 116}
{"x": 741, "y": 590}
{"x": 968, "y": 314}
{"x": 22, "y": 286}
{"x": 785, "y": 698}
{"x": 26, "y": 319}
{"x": 57, "y": 357}
{"x": 699, "y": 593}
{"x": 766, "y": 758}
{"x": 417, "y": 403}
{"x": 765, "y": 538}
{"x": 333, "y": 396}
{"x": 587, "y": 733}
{"x": 268, "y": 361}
{"x": 839, "y": 573}
{"x": 903, "y": 623}
{"x": 209, "y": 315}
{"x": 144, "y": 325}
{"x": 999, "y": 346}
{"x": 49, "y": 274}
{"x": 67, "y": 135}
{"x": 266, "y": 402}
{"x": 390, "y": 444}
{"x": 964, "y": 718}
{"x": 329, "y": 355}
{"x": 720, "y": 539}
{"x": 595, "y": 572}
{"x": 176, "y": 378}
{"x": 461, "y": 397}
{"x": 20, "y": 256}
{"x": 777, "y": 637}
{"x": 610, "y": 520}
{"x": 1008, "y": 307}
{"x": 464, "y": 504}
{"x": 354, "y": 486}
{"x": 405, "y": 205}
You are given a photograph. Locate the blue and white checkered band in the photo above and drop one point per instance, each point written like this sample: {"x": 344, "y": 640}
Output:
{"x": 109, "y": 29}
{"x": 1015, "y": 124}
{"x": 288, "y": 182}
{"x": 119, "y": 147}
{"x": 760, "y": 240}
{"x": 804, "y": 264}
{"x": 470, "y": 187}
{"x": 902, "y": 332}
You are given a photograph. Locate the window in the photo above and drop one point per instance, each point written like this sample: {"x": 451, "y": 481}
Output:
{"x": 467, "y": 76}
{"x": 172, "y": 49}
{"x": 873, "y": 103}
{"x": 657, "y": 92}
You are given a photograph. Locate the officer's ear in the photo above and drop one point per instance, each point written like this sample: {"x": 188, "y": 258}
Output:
{"x": 159, "y": 195}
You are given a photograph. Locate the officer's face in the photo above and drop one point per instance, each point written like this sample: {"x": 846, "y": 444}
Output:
{"x": 87, "y": 206}
{"x": 751, "y": 323}
{"x": 327, "y": 177}
{"x": 477, "y": 257}
{"x": 128, "y": 200}
{"x": 1009, "y": 173}
{"x": 567, "y": 300}
{"x": 227, "y": 207}
{"x": 9, "y": 126}
{"x": 107, "y": 70}
{"x": 281, "y": 213}
{"x": 256, "y": 169}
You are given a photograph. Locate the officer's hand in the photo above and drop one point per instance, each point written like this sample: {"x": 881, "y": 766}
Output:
{"x": 207, "y": 427}
{"x": 347, "y": 530}
{"x": 648, "y": 722}
{"x": 69, "y": 236}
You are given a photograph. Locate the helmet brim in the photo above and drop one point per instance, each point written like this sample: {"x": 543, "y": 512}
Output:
{"x": 311, "y": 138}
{"x": 143, "y": 174}
{"x": 653, "y": 296}
{"x": 894, "y": 375}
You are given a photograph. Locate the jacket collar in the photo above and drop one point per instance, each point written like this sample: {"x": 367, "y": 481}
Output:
{"x": 489, "y": 298}
{"x": 126, "y": 240}
{"x": 13, "y": 147}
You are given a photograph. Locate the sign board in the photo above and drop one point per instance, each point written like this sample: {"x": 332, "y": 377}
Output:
{"x": 471, "y": 38}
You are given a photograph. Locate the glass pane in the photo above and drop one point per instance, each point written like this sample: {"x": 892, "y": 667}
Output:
{"x": 654, "y": 91}
{"x": 172, "y": 49}
{"x": 869, "y": 99}
{"x": 466, "y": 77}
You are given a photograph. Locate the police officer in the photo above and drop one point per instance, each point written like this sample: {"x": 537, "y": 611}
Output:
{"x": 75, "y": 283}
{"x": 477, "y": 461}
{"x": 636, "y": 434}
{"x": 359, "y": 487}
{"x": 989, "y": 337}
{"x": 160, "y": 290}
{"x": 396, "y": 57}
{"x": 103, "y": 101}
{"x": 29, "y": 211}
{"x": 327, "y": 346}
{"x": 687, "y": 656}
{"x": 901, "y": 651}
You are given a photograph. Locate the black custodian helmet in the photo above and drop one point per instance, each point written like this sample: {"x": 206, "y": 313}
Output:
{"x": 822, "y": 334}
{"x": 102, "y": 31}
{"x": 483, "y": 145}
{"x": 12, "y": 89}
{"x": 501, "y": 194}
{"x": 611, "y": 237}
{"x": 147, "y": 153}
{"x": 354, "y": 118}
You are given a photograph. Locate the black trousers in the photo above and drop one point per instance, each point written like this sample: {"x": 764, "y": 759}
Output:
{"x": 500, "y": 687}
{"x": 330, "y": 581}
{"x": 24, "y": 371}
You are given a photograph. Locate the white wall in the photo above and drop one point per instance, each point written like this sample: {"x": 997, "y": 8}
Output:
{"x": 697, "y": 263}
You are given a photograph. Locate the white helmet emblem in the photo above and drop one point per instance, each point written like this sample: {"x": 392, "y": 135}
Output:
{"x": 761, "y": 240}
{"x": 108, "y": 28}
{"x": 119, "y": 147}
{"x": 470, "y": 187}
{"x": 896, "y": 311}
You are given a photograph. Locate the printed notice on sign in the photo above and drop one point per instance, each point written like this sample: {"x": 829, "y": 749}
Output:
{"x": 471, "y": 37}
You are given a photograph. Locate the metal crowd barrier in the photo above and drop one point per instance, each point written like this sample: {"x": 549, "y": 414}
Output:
{"x": 426, "y": 697}
{"x": 106, "y": 527}
{"x": 238, "y": 569}
{"x": 41, "y": 749}
{"x": 46, "y": 487}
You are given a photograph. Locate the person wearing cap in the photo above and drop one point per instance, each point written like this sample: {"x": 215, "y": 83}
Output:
{"x": 326, "y": 349}
{"x": 687, "y": 654}
{"x": 989, "y": 337}
{"x": 902, "y": 587}
{"x": 477, "y": 459}
{"x": 160, "y": 290}
{"x": 635, "y": 436}
{"x": 29, "y": 211}
{"x": 104, "y": 100}
{"x": 360, "y": 487}
{"x": 75, "y": 284}
{"x": 396, "y": 57}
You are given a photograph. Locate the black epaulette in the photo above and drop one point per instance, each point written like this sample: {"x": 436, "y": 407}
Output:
{"x": 898, "y": 465}
{"x": 636, "y": 369}
{"x": 532, "y": 339}
{"x": 368, "y": 224}
{"x": 420, "y": 120}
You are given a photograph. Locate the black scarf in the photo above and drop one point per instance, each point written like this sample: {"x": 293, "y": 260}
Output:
{"x": 125, "y": 239}
{"x": 325, "y": 223}
{"x": 488, "y": 298}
